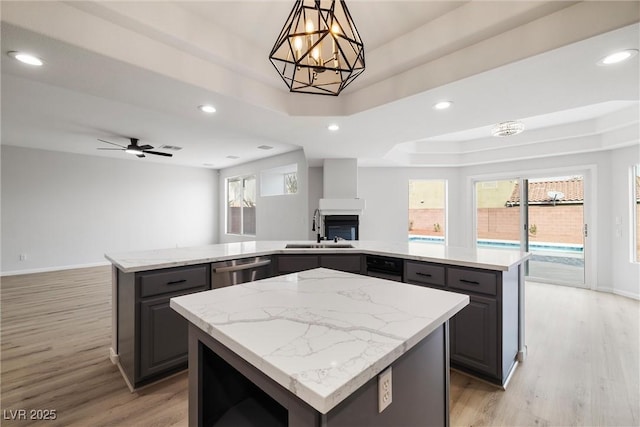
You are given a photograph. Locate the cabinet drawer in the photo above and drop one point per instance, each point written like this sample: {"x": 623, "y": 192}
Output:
{"x": 472, "y": 280}
{"x": 295, "y": 263}
{"x": 348, "y": 263}
{"x": 424, "y": 273}
{"x": 173, "y": 280}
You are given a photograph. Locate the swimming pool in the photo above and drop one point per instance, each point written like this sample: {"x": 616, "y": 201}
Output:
{"x": 509, "y": 244}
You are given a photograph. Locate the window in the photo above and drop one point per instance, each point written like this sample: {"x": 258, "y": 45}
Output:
{"x": 636, "y": 210}
{"x": 291, "y": 183}
{"x": 241, "y": 205}
{"x": 427, "y": 211}
{"x": 279, "y": 181}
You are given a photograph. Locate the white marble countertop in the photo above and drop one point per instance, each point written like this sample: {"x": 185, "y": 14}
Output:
{"x": 491, "y": 259}
{"x": 320, "y": 333}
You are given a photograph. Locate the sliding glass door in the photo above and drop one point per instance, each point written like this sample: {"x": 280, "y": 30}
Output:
{"x": 549, "y": 224}
{"x": 556, "y": 229}
{"x": 498, "y": 214}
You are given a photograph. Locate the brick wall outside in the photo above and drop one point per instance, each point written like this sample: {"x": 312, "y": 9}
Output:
{"x": 422, "y": 221}
{"x": 554, "y": 224}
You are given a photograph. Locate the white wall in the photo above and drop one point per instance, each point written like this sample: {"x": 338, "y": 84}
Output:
{"x": 625, "y": 272}
{"x": 283, "y": 217}
{"x": 316, "y": 190}
{"x": 386, "y": 193}
{"x": 65, "y": 210}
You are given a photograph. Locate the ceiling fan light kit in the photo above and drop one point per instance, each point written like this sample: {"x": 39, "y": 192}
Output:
{"x": 507, "y": 128}
{"x": 319, "y": 50}
{"x": 134, "y": 148}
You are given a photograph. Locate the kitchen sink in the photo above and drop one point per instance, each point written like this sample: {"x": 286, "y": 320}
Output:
{"x": 319, "y": 245}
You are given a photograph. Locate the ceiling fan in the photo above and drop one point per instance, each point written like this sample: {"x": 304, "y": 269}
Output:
{"x": 134, "y": 148}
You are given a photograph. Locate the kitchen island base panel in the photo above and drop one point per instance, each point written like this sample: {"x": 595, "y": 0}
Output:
{"x": 222, "y": 385}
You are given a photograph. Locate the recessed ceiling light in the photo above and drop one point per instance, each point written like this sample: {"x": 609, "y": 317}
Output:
{"x": 233, "y": 157}
{"x": 207, "y": 164}
{"x": 617, "y": 57}
{"x": 333, "y": 127}
{"x": 442, "y": 105}
{"x": 265, "y": 147}
{"x": 209, "y": 109}
{"x": 507, "y": 129}
{"x": 26, "y": 58}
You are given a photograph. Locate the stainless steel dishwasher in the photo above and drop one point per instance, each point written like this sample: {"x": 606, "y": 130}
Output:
{"x": 233, "y": 272}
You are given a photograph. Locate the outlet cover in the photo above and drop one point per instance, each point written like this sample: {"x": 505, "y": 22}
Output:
{"x": 385, "y": 393}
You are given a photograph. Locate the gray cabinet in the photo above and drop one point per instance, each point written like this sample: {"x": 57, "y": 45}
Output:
{"x": 163, "y": 337}
{"x": 152, "y": 337}
{"x": 474, "y": 336}
{"x": 483, "y": 336}
{"x": 294, "y": 263}
{"x": 347, "y": 262}
{"x": 424, "y": 273}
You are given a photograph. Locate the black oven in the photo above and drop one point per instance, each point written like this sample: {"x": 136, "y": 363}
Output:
{"x": 341, "y": 226}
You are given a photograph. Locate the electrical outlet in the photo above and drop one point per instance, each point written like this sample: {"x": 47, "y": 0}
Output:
{"x": 23, "y": 257}
{"x": 384, "y": 389}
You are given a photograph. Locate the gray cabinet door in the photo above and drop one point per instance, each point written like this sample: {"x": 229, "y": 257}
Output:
{"x": 348, "y": 263}
{"x": 474, "y": 336}
{"x": 295, "y": 263}
{"x": 163, "y": 337}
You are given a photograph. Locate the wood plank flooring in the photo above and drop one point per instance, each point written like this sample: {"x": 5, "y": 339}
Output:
{"x": 582, "y": 369}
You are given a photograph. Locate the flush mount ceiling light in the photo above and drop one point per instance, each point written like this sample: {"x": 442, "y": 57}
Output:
{"x": 507, "y": 129}
{"x": 333, "y": 127}
{"x": 618, "y": 57}
{"x": 442, "y": 105}
{"x": 319, "y": 50}
{"x": 26, "y": 58}
{"x": 209, "y": 109}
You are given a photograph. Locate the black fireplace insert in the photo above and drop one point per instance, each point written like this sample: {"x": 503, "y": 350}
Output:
{"x": 341, "y": 227}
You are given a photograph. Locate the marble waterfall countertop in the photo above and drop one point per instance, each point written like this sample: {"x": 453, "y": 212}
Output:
{"x": 320, "y": 333}
{"x": 491, "y": 259}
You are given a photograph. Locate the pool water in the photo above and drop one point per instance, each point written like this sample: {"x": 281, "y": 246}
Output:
{"x": 507, "y": 244}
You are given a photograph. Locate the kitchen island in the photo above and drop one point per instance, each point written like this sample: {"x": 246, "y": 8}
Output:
{"x": 149, "y": 338}
{"x": 306, "y": 349}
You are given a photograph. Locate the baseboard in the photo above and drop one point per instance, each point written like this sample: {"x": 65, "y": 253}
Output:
{"x": 598, "y": 289}
{"x": 50, "y": 269}
{"x": 627, "y": 294}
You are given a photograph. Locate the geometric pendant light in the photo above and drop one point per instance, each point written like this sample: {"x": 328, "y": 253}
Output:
{"x": 319, "y": 50}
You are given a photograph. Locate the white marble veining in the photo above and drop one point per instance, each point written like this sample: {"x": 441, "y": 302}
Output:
{"x": 320, "y": 333}
{"x": 492, "y": 259}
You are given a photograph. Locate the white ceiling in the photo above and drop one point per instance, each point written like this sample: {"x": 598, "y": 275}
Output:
{"x": 115, "y": 70}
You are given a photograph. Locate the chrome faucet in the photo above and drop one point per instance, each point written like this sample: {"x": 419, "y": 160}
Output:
{"x": 316, "y": 224}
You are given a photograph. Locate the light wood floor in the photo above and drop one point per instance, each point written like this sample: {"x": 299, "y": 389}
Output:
{"x": 583, "y": 366}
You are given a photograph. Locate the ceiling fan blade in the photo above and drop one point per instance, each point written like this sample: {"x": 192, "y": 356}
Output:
{"x": 158, "y": 153}
{"x": 146, "y": 147}
{"x": 115, "y": 149}
{"x": 112, "y": 143}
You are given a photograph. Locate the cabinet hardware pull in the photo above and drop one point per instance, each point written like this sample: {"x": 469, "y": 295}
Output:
{"x": 175, "y": 282}
{"x": 471, "y": 282}
{"x": 241, "y": 267}
{"x": 423, "y": 274}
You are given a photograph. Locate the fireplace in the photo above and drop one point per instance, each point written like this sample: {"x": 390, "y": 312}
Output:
{"x": 341, "y": 226}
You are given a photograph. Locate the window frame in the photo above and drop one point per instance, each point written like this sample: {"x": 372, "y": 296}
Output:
{"x": 634, "y": 213}
{"x": 243, "y": 179}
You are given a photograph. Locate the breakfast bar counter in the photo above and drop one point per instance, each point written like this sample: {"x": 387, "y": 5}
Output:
{"x": 307, "y": 349}
{"x": 150, "y": 339}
